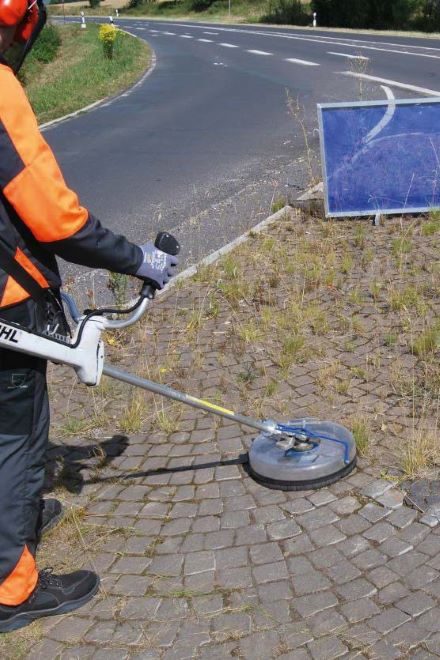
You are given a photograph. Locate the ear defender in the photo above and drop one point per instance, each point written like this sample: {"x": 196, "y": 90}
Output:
{"x": 27, "y": 26}
{"x": 12, "y": 12}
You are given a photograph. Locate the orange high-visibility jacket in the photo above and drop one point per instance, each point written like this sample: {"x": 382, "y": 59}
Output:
{"x": 40, "y": 217}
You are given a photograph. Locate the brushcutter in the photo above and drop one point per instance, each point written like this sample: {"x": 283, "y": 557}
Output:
{"x": 300, "y": 454}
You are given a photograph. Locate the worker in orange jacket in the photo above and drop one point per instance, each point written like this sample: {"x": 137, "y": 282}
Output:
{"x": 40, "y": 217}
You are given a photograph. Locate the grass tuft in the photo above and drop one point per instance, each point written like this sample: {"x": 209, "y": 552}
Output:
{"x": 361, "y": 430}
{"x": 426, "y": 343}
{"x": 421, "y": 453}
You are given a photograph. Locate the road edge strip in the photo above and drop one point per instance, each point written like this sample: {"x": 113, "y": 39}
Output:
{"x": 215, "y": 256}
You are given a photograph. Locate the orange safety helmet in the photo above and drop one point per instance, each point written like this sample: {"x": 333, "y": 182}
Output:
{"x": 29, "y": 17}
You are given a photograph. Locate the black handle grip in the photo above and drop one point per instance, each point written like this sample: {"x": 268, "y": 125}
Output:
{"x": 167, "y": 243}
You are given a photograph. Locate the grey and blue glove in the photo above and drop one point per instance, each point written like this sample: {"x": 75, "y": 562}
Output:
{"x": 157, "y": 266}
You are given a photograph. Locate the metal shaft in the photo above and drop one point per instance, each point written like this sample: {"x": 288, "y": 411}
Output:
{"x": 188, "y": 400}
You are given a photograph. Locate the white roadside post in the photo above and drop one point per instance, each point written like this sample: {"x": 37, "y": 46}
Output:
{"x": 110, "y": 18}
{"x": 117, "y": 13}
{"x": 83, "y": 21}
{"x": 315, "y": 22}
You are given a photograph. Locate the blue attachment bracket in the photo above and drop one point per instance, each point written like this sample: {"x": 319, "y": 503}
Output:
{"x": 292, "y": 430}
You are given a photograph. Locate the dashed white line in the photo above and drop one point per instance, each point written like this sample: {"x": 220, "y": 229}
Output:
{"x": 214, "y": 33}
{"x": 330, "y": 41}
{"x": 392, "y": 50}
{"x": 259, "y": 52}
{"x": 294, "y": 60}
{"x": 186, "y": 36}
{"x": 392, "y": 83}
{"x": 350, "y": 57}
{"x": 228, "y": 45}
{"x": 206, "y": 41}
{"x": 171, "y": 34}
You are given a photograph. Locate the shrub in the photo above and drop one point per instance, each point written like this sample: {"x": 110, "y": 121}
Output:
{"x": 369, "y": 13}
{"x": 429, "y": 17}
{"x": 94, "y": 3}
{"x": 200, "y": 5}
{"x": 107, "y": 35}
{"x": 47, "y": 44}
{"x": 290, "y": 12}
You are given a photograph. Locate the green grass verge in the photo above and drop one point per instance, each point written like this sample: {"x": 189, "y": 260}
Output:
{"x": 80, "y": 74}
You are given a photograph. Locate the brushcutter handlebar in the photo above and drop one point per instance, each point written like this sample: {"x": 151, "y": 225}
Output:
{"x": 165, "y": 242}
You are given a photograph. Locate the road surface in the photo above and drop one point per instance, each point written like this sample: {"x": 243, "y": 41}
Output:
{"x": 206, "y": 142}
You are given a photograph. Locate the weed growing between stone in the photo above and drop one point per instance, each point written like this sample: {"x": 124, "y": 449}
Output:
{"x": 310, "y": 318}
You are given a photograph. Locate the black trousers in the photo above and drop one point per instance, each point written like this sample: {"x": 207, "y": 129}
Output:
{"x": 24, "y": 428}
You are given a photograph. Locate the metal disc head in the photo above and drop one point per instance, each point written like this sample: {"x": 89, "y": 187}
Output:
{"x": 325, "y": 462}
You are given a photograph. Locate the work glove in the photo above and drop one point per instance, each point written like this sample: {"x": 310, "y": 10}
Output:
{"x": 156, "y": 266}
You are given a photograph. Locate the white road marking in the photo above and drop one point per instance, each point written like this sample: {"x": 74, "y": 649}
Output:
{"x": 228, "y": 45}
{"x": 259, "y": 52}
{"x": 392, "y": 83}
{"x": 172, "y": 34}
{"x": 350, "y": 57}
{"x": 294, "y": 60}
{"x": 393, "y": 50}
{"x": 141, "y": 28}
{"x": 211, "y": 33}
{"x": 186, "y": 36}
{"x": 333, "y": 41}
{"x": 389, "y": 114}
{"x": 205, "y": 41}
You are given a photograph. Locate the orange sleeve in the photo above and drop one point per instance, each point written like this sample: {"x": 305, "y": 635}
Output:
{"x": 34, "y": 185}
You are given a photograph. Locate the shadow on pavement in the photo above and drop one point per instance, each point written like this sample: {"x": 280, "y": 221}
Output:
{"x": 66, "y": 463}
{"x": 240, "y": 460}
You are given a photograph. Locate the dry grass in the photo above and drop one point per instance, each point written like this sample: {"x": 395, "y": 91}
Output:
{"x": 356, "y": 310}
{"x": 421, "y": 454}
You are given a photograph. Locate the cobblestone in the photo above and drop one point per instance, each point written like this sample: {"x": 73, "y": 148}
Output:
{"x": 359, "y": 610}
{"x": 388, "y": 620}
{"x": 285, "y": 529}
{"x": 355, "y": 589}
{"x": 373, "y": 512}
{"x": 327, "y": 648}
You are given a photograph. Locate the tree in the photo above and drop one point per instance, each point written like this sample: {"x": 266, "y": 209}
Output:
{"x": 431, "y": 15}
{"x": 379, "y": 14}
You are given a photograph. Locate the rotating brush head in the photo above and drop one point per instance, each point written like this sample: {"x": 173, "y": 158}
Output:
{"x": 312, "y": 455}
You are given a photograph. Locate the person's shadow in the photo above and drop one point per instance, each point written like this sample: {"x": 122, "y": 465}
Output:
{"x": 71, "y": 467}
{"x": 65, "y": 464}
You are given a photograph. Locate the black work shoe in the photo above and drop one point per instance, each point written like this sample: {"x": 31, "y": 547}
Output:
{"x": 54, "y": 594}
{"x": 50, "y": 515}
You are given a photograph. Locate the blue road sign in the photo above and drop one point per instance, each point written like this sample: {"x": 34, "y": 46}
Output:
{"x": 380, "y": 156}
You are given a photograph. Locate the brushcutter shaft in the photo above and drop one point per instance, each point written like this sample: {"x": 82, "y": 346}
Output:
{"x": 188, "y": 400}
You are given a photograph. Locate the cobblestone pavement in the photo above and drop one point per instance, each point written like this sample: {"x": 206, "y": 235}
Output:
{"x": 212, "y": 565}
{"x": 199, "y": 561}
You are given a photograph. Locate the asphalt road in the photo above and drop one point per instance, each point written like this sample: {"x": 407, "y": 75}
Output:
{"x": 206, "y": 142}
